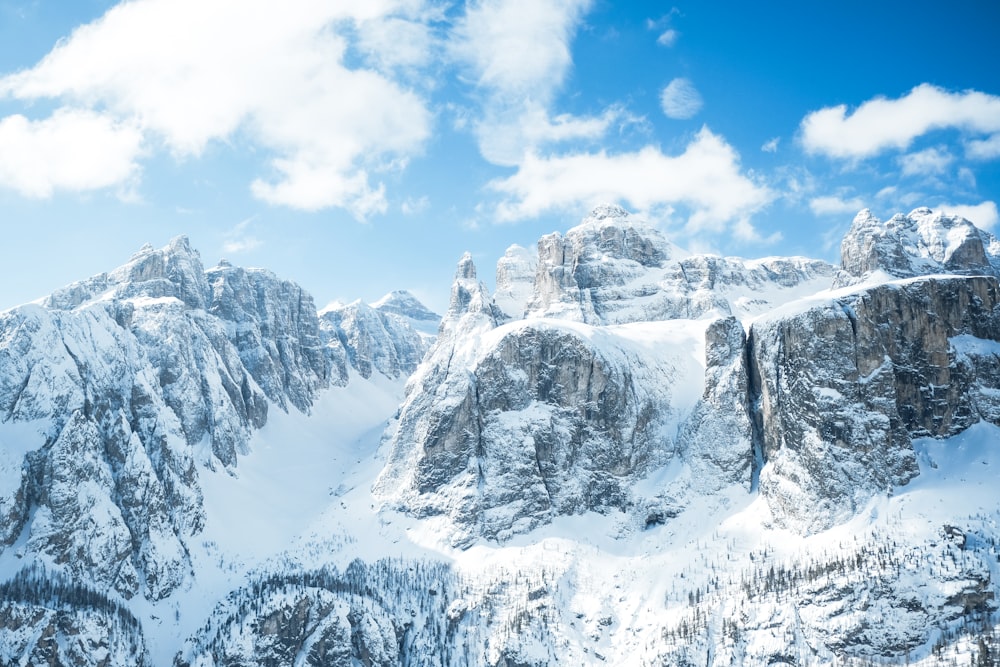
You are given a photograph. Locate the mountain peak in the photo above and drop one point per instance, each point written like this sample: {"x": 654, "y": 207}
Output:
{"x": 605, "y": 211}
{"x": 174, "y": 270}
{"x": 466, "y": 268}
{"x": 403, "y": 303}
{"x": 921, "y": 242}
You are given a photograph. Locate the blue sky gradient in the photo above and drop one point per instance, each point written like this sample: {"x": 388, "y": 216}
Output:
{"x": 362, "y": 146}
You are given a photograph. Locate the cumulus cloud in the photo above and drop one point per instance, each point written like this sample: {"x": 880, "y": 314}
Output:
{"x": 189, "y": 72}
{"x": 983, "y": 215}
{"x": 73, "y": 150}
{"x": 927, "y": 162}
{"x": 680, "y": 99}
{"x": 833, "y": 205}
{"x": 881, "y": 124}
{"x": 508, "y": 133}
{"x": 705, "y": 178}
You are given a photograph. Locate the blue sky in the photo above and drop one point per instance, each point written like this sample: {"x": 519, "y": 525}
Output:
{"x": 360, "y": 146}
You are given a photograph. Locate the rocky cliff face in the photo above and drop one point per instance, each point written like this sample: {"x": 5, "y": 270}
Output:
{"x": 515, "y": 281}
{"x": 115, "y": 389}
{"x": 675, "y": 432}
{"x": 272, "y": 323}
{"x": 384, "y": 338}
{"x": 845, "y": 385}
{"x": 506, "y": 427}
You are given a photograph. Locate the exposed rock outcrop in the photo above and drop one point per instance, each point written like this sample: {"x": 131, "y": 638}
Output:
{"x": 377, "y": 338}
{"x": 845, "y": 384}
{"x": 920, "y": 243}
{"x": 615, "y": 269}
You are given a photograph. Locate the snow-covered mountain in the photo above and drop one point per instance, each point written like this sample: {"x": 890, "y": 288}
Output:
{"x": 626, "y": 454}
{"x": 118, "y": 391}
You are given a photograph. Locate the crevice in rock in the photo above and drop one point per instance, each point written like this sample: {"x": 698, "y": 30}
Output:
{"x": 754, "y": 392}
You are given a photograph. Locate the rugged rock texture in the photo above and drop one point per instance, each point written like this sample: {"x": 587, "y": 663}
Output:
{"x": 613, "y": 269}
{"x": 273, "y": 325}
{"x": 921, "y": 243}
{"x": 116, "y": 388}
{"x": 312, "y": 627}
{"x": 505, "y": 428}
{"x": 717, "y": 438}
{"x": 515, "y": 281}
{"x": 381, "y": 338}
{"x": 844, "y": 385}
{"x": 599, "y": 268}
{"x": 107, "y": 485}
{"x": 45, "y": 620}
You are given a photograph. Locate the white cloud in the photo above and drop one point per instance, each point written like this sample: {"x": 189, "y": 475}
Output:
{"x": 73, "y": 150}
{"x": 983, "y": 215}
{"x": 506, "y": 135}
{"x": 189, "y": 72}
{"x": 771, "y": 145}
{"x": 517, "y": 53}
{"x": 966, "y": 176}
{"x": 668, "y": 37}
{"x": 413, "y": 206}
{"x": 680, "y": 99}
{"x": 706, "y": 178}
{"x": 926, "y": 162}
{"x": 983, "y": 149}
{"x": 239, "y": 240}
{"x": 833, "y": 205}
{"x": 881, "y": 124}
{"x": 519, "y": 47}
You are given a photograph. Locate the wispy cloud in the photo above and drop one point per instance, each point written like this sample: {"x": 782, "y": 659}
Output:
{"x": 680, "y": 99}
{"x": 927, "y": 162}
{"x": 239, "y": 240}
{"x": 412, "y": 206}
{"x": 882, "y": 124}
{"x": 517, "y": 54}
{"x": 834, "y": 205}
{"x": 771, "y": 145}
{"x": 668, "y": 37}
{"x": 983, "y": 149}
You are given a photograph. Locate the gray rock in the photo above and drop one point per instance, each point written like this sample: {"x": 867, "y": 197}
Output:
{"x": 844, "y": 386}
{"x": 614, "y": 269}
{"x": 376, "y": 340}
{"x": 132, "y": 378}
{"x": 515, "y": 281}
{"x": 274, "y": 327}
